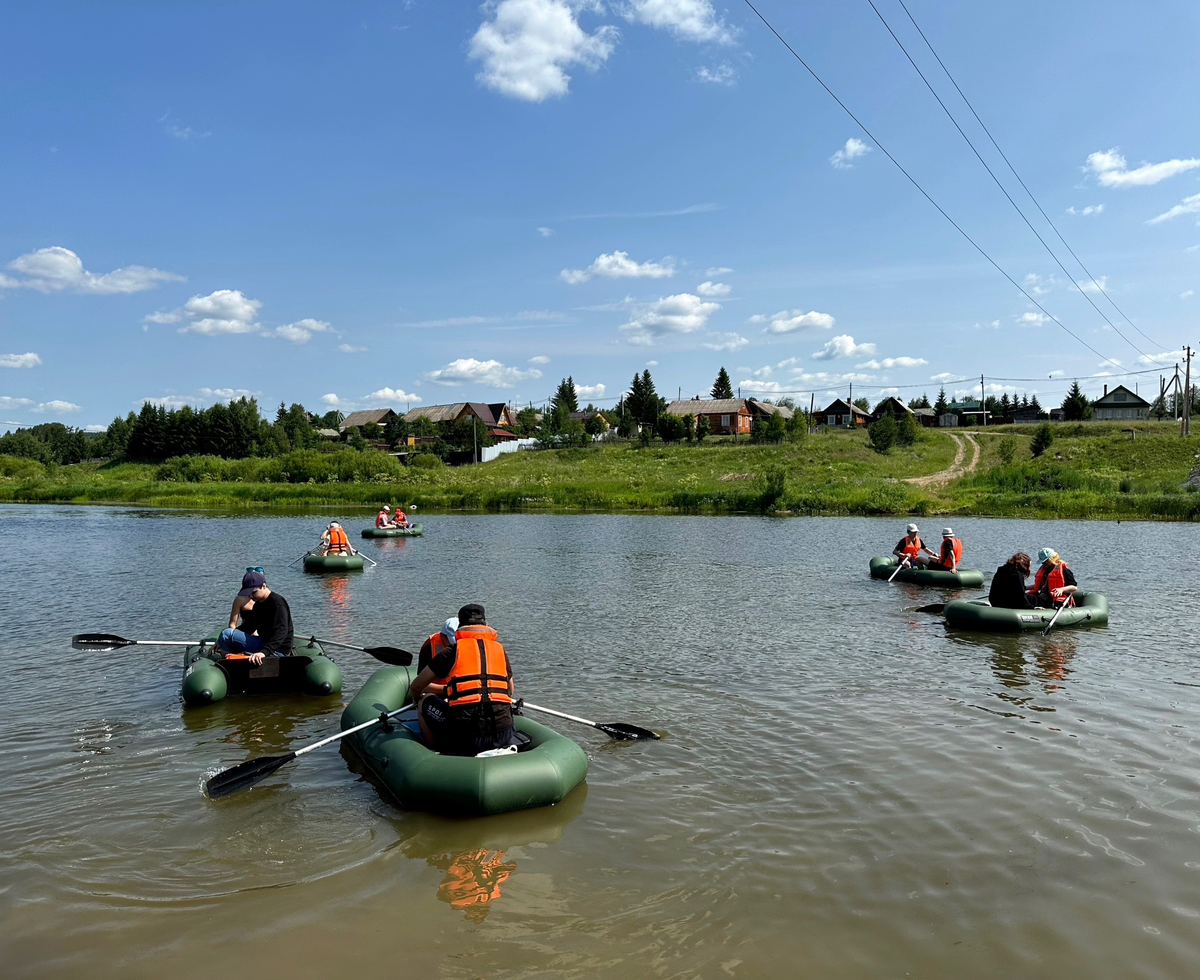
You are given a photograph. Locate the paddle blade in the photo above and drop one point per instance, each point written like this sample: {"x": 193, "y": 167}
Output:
{"x": 244, "y": 775}
{"x": 937, "y": 608}
{"x": 99, "y": 642}
{"x": 622, "y": 731}
{"x": 390, "y": 655}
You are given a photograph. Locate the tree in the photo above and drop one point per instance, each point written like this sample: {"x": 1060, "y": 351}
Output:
{"x": 1159, "y": 408}
{"x": 882, "y": 434}
{"x": 863, "y": 404}
{"x": 396, "y": 431}
{"x": 922, "y": 402}
{"x": 642, "y": 401}
{"x": 671, "y": 428}
{"x": 941, "y": 406}
{"x": 331, "y": 419}
{"x": 702, "y": 428}
{"x": 527, "y": 421}
{"x": 1035, "y": 404}
{"x": 907, "y": 429}
{"x": 565, "y": 395}
{"x": 1005, "y": 405}
{"x": 722, "y": 387}
{"x": 1076, "y": 406}
{"x": 1043, "y": 435}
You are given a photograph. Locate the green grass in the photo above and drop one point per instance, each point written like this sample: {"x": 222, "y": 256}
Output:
{"x": 1090, "y": 471}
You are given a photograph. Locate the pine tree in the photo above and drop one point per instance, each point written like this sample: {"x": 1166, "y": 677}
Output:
{"x": 722, "y": 387}
{"x": 882, "y": 434}
{"x": 941, "y": 405}
{"x": 1034, "y": 403}
{"x": 565, "y": 396}
{"x": 1076, "y": 406}
{"x": 1004, "y": 404}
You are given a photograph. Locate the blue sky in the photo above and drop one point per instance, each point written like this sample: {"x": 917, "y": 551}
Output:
{"x": 417, "y": 202}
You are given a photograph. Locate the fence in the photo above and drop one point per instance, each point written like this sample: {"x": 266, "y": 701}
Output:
{"x": 488, "y": 453}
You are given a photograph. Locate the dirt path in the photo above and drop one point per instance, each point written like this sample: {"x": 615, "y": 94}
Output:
{"x": 956, "y": 469}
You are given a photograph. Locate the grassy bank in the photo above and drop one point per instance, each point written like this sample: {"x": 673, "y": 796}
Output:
{"x": 1091, "y": 470}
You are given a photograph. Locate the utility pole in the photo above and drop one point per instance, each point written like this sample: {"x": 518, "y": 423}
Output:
{"x": 812, "y": 403}
{"x": 1187, "y": 391}
{"x": 982, "y": 401}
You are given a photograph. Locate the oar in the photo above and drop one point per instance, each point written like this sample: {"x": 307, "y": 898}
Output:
{"x": 100, "y": 642}
{"x": 246, "y": 774}
{"x": 389, "y": 655}
{"x": 1069, "y": 601}
{"x": 937, "y": 608}
{"x": 617, "y": 730}
{"x": 301, "y": 558}
{"x": 897, "y": 571}
{"x": 361, "y": 555}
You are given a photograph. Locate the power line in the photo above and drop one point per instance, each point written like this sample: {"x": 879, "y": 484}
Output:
{"x": 912, "y": 180}
{"x": 1004, "y": 156}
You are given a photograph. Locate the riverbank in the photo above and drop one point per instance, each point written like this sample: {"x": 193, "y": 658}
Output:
{"x": 1092, "y": 470}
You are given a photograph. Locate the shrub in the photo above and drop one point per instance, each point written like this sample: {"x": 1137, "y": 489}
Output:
{"x": 773, "y": 481}
{"x": 428, "y": 461}
{"x": 882, "y": 434}
{"x": 702, "y": 428}
{"x": 1042, "y": 437}
{"x": 1007, "y": 450}
{"x": 907, "y": 430}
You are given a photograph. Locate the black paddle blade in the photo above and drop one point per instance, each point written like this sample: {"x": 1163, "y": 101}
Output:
{"x": 937, "y": 608}
{"x": 99, "y": 642}
{"x": 244, "y": 775}
{"x": 622, "y": 731}
{"x": 390, "y": 655}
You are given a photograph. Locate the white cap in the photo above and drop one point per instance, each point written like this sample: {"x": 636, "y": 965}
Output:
{"x": 386, "y": 507}
{"x": 449, "y": 628}
{"x": 947, "y": 532}
{"x": 912, "y": 529}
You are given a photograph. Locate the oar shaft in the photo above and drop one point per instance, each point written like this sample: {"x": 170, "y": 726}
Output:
{"x": 351, "y": 731}
{"x": 559, "y": 714}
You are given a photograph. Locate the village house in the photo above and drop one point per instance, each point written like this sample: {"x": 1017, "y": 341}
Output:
{"x": 841, "y": 414}
{"x": 496, "y": 416}
{"x": 764, "y": 410}
{"x": 1120, "y": 403}
{"x": 726, "y": 416}
{"x": 370, "y": 416}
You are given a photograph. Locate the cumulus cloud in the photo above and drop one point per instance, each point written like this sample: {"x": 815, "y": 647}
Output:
{"x": 1186, "y": 294}
{"x": 527, "y": 45}
{"x": 392, "y": 396}
{"x": 1089, "y": 286}
{"x": 888, "y": 363}
{"x": 1033, "y": 319}
{"x": 590, "y": 391}
{"x": 713, "y": 289}
{"x": 944, "y": 377}
{"x": 57, "y": 269}
{"x": 718, "y": 270}
{"x": 691, "y": 20}
{"x": 1189, "y": 205}
{"x": 724, "y": 74}
{"x": 1057, "y": 373}
{"x": 351, "y": 349}
{"x": 228, "y": 311}
{"x": 56, "y": 407}
{"x": 9, "y": 402}
{"x": 726, "y": 341}
{"x": 618, "y": 265}
{"x": 852, "y": 150}
{"x": 29, "y": 360}
{"x": 842, "y": 345}
{"x": 1157, "y": 360}
{"x": 544, "y": 231}
{"x": 1039, "y": 285}
{"x": 467, "y": 370}
{"x": 1090, "y": 209}
{"x": 682, "y": 313}
{"x": 788, "y": 321}
{"x": 1112, "y": 171}
{"x": 331, "y": 400}
{"x": 539, "y": 359}
{"x": 301, "y": 331}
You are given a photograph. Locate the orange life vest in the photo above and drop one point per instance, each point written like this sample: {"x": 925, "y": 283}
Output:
{"x": 1057, "y": 580}
{"x": 950, "y": 546}
{"x": 381, "y": 518}
{"x": 437, "y": 643}
{"x": 912, "y": 548}
{"x": 338, "y": 540}
{"x": 481, "y": 670}
{"x": 401, "y": 517}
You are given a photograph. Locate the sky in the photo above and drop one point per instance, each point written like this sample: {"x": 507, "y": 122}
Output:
{"x": 418, "y": 202}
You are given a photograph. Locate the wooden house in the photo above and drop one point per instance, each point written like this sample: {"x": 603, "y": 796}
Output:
{"x": 1120, "y": 403}
{"x": 726, "y": 416}
{"x": 841, "y": 414}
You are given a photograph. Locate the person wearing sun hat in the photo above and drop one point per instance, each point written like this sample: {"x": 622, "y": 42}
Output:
{"x": 951, "y": 553}
{"x": 1054, "y": 582}
{"x": 266, "y": 629}
{"x": 911, "y": 549}
{"x": 437, "y": 642}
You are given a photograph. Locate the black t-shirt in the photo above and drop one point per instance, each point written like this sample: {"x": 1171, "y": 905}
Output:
{"x": 483, "y": 718}
{"x": 1008, "y": 589}
{"x": 904, "y": 544}
{"x": 271, "y": 619}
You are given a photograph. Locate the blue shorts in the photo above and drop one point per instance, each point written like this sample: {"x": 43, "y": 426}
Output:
{"x": 235, "y": 641}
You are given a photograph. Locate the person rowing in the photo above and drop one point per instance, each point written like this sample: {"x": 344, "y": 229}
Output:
{"x": 911, "y": 549}
{"x": 465, "y": 694}
{"x": 1054, "y": 582}
{"x": 266, "y": 628}
{"x": 383, "y": 518}
{"x": 951, "y": 553}
{"x": 1008, "y": 584}
{"x": 334, "y": 541}
{"x": 400, "y": 519}
{"x": 439, "y": 641}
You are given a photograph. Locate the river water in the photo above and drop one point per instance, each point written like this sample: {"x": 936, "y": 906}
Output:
{"x": 843, "y": 789}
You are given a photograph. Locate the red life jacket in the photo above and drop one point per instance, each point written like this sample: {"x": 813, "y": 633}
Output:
{"x": 338, "y": 540}
{"x": 912, "y": 548}
{"x": 1057, "y": 580}
{"x": 950, "y": 546}
{"x": 381, "y": 518}
{"x": 481, "y": 670}
{"x": 401, "y": 517}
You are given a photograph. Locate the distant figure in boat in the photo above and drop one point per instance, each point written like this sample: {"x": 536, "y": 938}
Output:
{"x": 334, "y": 541}
{"x": 400, "y": 519}
{"x": 1008, "y": 584}
{"x": 912, "y": 551}
{"x": 266, "y": 629}
{"x": 951, "y": 553}
{"x": 383, "y": 518}
{"x": 1054, "y": 582}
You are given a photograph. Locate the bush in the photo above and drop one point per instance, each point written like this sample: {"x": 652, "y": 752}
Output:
{"x": 702, "y": 428}
{"x": 671, "y": 428}
{"x": 1007, "y": 450}
{"x": 428, "y": 461}
{"x": 907, "y": 430}
{"x": 773, "y": 481}
{"x": 1043, "y": 436}
{"x": 882, "y": 434}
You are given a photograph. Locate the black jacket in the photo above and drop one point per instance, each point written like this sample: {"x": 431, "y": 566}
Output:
{"x": 1008, "y": 589}
{"x": 272, "y": 620}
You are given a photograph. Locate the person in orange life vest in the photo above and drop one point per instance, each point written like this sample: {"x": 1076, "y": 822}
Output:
{"x": 912, "y": 550}
{"x": 437, "y": 643}
{"x": 400, "y": 519}
{"x": 383, "y": 517}
{"x": 951, "y": 552}
{"x": 1054, "y": 582}
{"x": 334, "y": 541}
{"x": 465, "y": 695}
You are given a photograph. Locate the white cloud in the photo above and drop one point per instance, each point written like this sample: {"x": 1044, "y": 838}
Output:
{"x": 1033, "y": 319}
{"x": 1158, "y": 360}
{"x": 186, "y": 132}
{"x": 301, "y": 331}
{"x": 95, "y": 428}
{"x": 56, "y": 407}
{"x": 19, "y": 360}
{"x": 691, "y": 20}
{"x": 224, "y": 311}
{"x": 57, "y": 269}
{"x": 527, "y": 44}
{"x": 1192, "y": 248}
{"x": 544, "y": 231}
{"x": 724, "y": 270}
{"x": 1039, "y": 285}
{"x": 799, "y": 377}
{"x": 723, "y": 74}
{"x": 682, "y": 313}
{"x": 1057, "y": 373}
{"x": 172, "y": 401}
{"x": 467, "y": 370}
{"x": 539, "y": 359}
{"x": 590, "y": 391}
{"x": 1090, "y": 209}
{"x": 618, "y": 265}
{"x": 888, "y": 363}
{"x": 711, "y": 288}
{"x": 760, "y": 387}
{"x": 1111, "y": 170}
{"x": 726, "y": 341}
{"x": 228, "y": 394}
{"x": 1189, "y": 205}
{"x": 842, "y": 345}
{"x": 8, "y": 402}
{"x": 392, "y": 396}
{"x": 453, "y": 321}
{"x": 943, "y": 377}
{"x": 972, "y": 394}
{"x": 331, "y": 400}
{"x": 351, "y": 349}
{"x": 1088, "y": 286}
{"x": 852, "y": 150}
{"x": 1186, "y": 294}
{"x": 787, "y": 321}
{"x": 652, "y": 364}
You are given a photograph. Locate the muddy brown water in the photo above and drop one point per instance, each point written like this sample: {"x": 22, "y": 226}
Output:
{"x": 844, "y": 790}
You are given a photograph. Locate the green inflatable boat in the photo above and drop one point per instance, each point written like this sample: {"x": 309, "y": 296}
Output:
{"x": 544, "y": 772}
{"x": 333, "y": 563}
{"x": 412, "y": 531}
{"x": 978, "y": 615}
{"x": 964, "y": 578}
{"x": 210, "y": 676}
